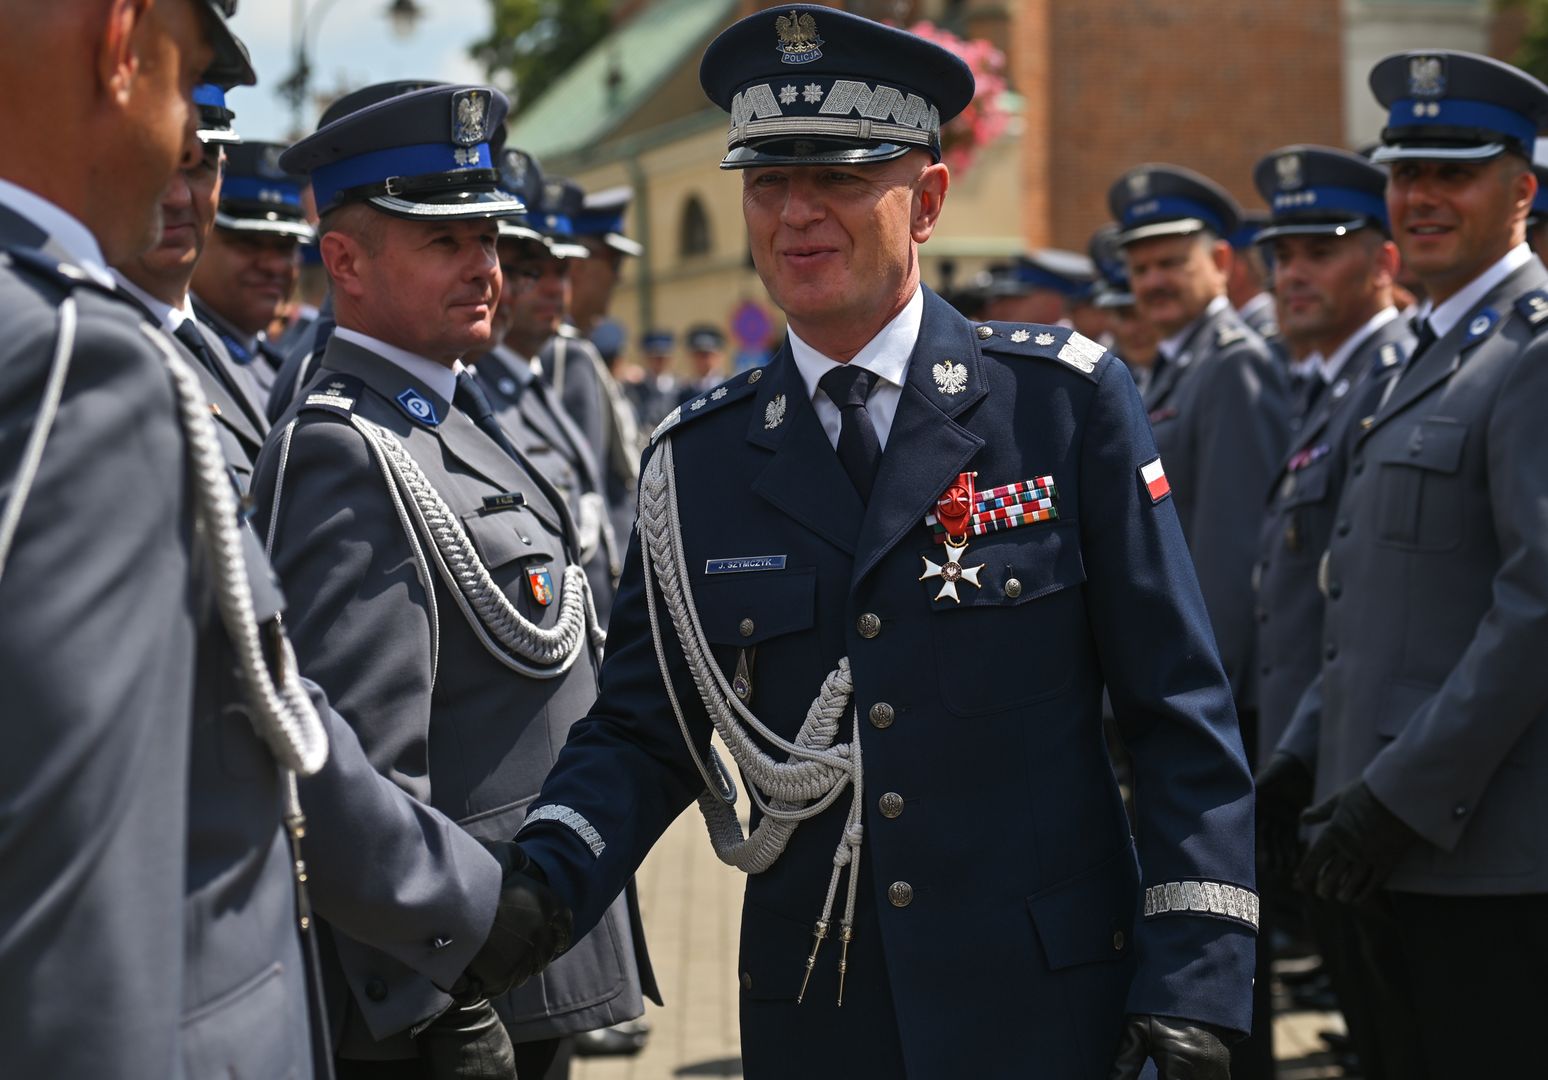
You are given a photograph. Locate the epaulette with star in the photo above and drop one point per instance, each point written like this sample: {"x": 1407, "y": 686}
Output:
{"x": 1534, "y": 308}
{"x": 1060, "y": 343}
{"x": 338, "y": 395}
{"x": 65, "y": 277}
{"x": 734, "y": 388}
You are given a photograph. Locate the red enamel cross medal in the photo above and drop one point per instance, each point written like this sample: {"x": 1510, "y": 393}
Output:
{"x": 954, "y": 512}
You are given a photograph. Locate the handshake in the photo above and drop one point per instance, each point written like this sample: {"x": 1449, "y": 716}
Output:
{"x": 531, "y": 929}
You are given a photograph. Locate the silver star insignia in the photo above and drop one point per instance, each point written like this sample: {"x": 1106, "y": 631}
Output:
{"x": 774, "y": 415}
{"x": 1018, "y": 336}
{"x": 697, "y": 405}
{"x": 812, "y": 94}
{"x": 718, "y": 394}
{"x": 787, "y": 95}
{"x": 1045, "y": 339}
{"x": 952, "y": 573}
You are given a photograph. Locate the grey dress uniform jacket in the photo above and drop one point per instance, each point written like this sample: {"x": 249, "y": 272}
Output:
{"x": 1298, "y": 524}
{"x": 435, "y": 709}
{"x": 1433, "y": 686}
{"x": 253, "y": 379}
{"x": 1220, "y": 415}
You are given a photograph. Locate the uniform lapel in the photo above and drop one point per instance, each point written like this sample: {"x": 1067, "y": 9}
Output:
{"x": 1441, "y": 360}
{"x": 804, "y": 478}
{"x": 228, "y": 411}
{"x": 1357, "y": 371}
{"x": 926, "y": 448}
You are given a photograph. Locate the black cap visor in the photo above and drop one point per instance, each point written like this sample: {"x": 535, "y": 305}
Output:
{"x": 787, "y": 150}
{"x": 1342, "y": 226}
{"x": 1444, "y": 144}
{"x": 450, "y": 205}
{"x": 256, "y": 220}
{"x": 231, "y": 66}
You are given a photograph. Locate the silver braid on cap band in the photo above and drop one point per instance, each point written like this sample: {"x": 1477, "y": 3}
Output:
{"x": 282, "y": 714}
{"x": 815, "y": 770}
{"x": 508, "y": 635}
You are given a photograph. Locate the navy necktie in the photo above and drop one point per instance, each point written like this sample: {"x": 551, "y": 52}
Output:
{"x": 472, "y": 400}
{"x": 1424, "y": 337}
{"x": 859, "y": 447}
{"x": 194, "y": 342}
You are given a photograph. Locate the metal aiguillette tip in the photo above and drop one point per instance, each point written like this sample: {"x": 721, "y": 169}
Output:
{"x": 845, "y": 937}
{"x": 818, "y": 934}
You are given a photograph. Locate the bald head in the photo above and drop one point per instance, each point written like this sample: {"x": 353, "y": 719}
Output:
{"x": 115, "y": 77}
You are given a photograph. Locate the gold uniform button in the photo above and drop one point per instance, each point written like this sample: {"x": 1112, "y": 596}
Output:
{"x": 1013, "y": 587}
{"x": 891, "y": 805}
{"x": 900, "y": 894}
{"x": 746, "y": 628}
{"x": 868, "y": 625}
{"x": 882, "y": 715}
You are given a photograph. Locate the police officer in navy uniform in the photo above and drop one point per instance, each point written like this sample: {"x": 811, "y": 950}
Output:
{"x": 1216, "y": 398}
{"x": 946, "y": 852}
{"x": 1334, "y": 268}
{"x": 1426, "y": 729}
{"x": 437, "y": 593}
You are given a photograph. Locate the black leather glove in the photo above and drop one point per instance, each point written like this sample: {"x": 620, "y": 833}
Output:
{"x": 467, "y": 1042}
{"x": 1357, "y": 851}
{"x": 1284, "y": 791}
{"x": 531, "y": 928}
{"x": 1182, "y": 1049}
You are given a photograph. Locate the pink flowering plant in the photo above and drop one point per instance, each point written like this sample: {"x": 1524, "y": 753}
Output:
{"x": 985, "y": 118}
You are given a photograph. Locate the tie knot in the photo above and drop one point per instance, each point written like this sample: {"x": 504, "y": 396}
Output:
{"x": 470, "y": 397}
{"x": 847, "y": 385}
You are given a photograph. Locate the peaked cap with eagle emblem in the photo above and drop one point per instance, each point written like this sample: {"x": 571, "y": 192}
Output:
{"x": 813, "y": 85}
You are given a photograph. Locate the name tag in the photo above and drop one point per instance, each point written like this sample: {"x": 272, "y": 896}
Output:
{"x": 509, "y": 500}
{"x": 745, "y": 564}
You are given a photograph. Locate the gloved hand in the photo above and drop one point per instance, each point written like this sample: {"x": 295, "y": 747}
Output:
{"x": 1359, "y": 849}
{"x": 1284, "y": 790}
{"x": 467, "y": 1042}
{"x": 1182, "y": 1049}
{"x": 531, "y": 928}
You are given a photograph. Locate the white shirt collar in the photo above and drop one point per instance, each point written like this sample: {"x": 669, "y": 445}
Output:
{"x": 1333, "y": 366}
{"x": 1171, "y": 346}
{"x": 63, "y": 229}
{"x": 167, "y": 316}
{"x": 1446, "y": 315}
{"x": 1258, "y": 303}
{"x": 439, "y": 378}
{"x": 886, "y": 354}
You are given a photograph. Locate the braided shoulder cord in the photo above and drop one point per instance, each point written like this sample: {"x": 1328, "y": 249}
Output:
{"x": 509, "y": 636}
{"x": 282, "y": 715}
{"x": 815, "y": 771}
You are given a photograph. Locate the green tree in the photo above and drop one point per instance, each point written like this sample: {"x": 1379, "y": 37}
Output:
{"x": 532, "y": 42}
{"x": 1532, "y": 55}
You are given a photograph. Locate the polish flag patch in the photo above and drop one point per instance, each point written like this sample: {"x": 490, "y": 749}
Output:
{"x": 1153, "y": 476}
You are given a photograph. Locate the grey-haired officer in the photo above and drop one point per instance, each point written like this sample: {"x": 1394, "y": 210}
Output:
{"x": 940, "y": 853}
{"x": 1217, "y": 398}
{"x": 438, "y": 596}
{"x": 1427, "y": 727}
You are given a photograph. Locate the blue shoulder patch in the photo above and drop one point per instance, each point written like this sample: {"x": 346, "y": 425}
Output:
{"x": 418, "y": 407}
{"x": 1060, "y": 343}
{"x": 1481, "y": 326}
{"x": 337, "y": 395}
{"x": 733, "y": 389}
{"x": 1534, "y": 307}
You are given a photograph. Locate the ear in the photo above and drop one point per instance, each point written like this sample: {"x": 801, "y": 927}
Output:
{"x": 1223, "y": 257}
{"x": 343, "y": 257}
{"x": 929, "y": 199}
{"x": 1388, "y": 261}
{"x": 1523, "y": 191}
{"x": 118, "y": 58}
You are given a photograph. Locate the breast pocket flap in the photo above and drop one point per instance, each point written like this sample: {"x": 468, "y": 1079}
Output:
{"x": 749, "y": 608}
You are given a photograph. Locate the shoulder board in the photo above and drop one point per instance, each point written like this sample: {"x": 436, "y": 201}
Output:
{"x": 1230, "y": 335}
{"x": 62, "y": 275}
{"x": 1389, "y": 356}
{"x": 337, "y": 395}
{"x": 1534, "y": 307}
{"x": 733, "y": 389}
{"x": 1070, "y": 347}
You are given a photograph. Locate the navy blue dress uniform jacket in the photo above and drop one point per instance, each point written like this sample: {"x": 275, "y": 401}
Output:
{"x": 1298, "y": 524}
{"x": 1220, "y": 413}
{"x": 1433, "y": 687}
{"x": 1011, "y": 853}
{"x": 434, "y": 710}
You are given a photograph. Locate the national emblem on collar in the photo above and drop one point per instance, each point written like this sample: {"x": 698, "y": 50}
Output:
{"x": 1427, "y": 76}
{"x": 1288, "y": 170}
{"x": 470, "y": 117}
{"x": 799, "y": 42}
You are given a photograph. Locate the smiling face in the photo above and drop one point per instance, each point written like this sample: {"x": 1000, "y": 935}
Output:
{"x": 425, "y": 286}
{"x": 835, "y": 244}
{"x": 1175, "y": 277}
{"x": 1327, "y": 287}
{"x": 245, "y": 276}
{"x": 1452, "y": 220}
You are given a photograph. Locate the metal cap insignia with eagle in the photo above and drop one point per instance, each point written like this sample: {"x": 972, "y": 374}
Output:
{"x": 427, "y": 154}
{"x": 1456, "y": 106}
{"x": 813, "y": 85}
{"x": 1320, "y": 191}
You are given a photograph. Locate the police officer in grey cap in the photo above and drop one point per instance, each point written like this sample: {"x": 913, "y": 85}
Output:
{"x": 437, "y": 590}
{"x": 1427, "y": 727}
{"x": 1217, "y": 399}
{"x": 855, "y": 566}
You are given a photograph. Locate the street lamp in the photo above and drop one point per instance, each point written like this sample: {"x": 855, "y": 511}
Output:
{"x": 305, "y": 20}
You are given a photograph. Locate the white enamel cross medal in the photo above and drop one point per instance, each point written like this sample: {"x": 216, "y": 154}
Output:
{"x": 951, "y": 572}
{"x": 953, "y": 510}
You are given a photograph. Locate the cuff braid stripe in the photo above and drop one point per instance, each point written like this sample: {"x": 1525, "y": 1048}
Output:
{"x": 1202, "y": 898}
{"x": 571, "y": 820}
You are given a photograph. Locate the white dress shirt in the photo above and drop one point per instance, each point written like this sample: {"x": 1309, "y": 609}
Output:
{"x": 437, "y": 376}
{"x": 74, "y": 238}
{"x": 1171, "y": 346}
{"x": 168, "y": 317}
{"x": 1446, "y": 315}
{"x": 886, "y": 355}
{"x": 1331, "y": 367}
